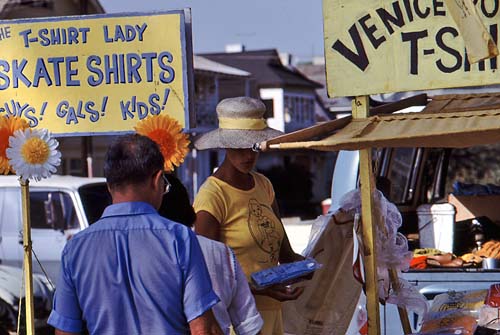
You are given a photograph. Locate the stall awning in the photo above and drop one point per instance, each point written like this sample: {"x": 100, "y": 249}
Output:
{"x": 453, "y": 121}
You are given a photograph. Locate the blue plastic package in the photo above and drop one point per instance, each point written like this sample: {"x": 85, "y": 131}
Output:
{"x": 287, "y": 273}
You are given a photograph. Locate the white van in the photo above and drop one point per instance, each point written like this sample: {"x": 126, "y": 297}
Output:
{"x": 60, "y": 206}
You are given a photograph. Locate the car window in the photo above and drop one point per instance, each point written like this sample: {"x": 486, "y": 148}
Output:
{"x": 10, "y": 209}
{"x": 400, "y": 172}
{"x": 52, "y": 210}
{"x": 431, "y": 185}
{"x": 95, "y": 198}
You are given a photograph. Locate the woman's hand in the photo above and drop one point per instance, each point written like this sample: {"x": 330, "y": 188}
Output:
{"x": 280, "y": 292}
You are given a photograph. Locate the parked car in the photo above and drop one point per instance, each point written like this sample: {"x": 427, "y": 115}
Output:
{"x": 60, "y": 207}
{"x": 11, "y": 291}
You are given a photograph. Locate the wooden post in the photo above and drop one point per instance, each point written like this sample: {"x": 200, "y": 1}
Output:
{"x": 28, "y": 271}
{"x": 403, "y": 314}
{"x": 361, "y": 109}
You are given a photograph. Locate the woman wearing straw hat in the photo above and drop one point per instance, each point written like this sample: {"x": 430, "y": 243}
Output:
{"x": 237, "y": 205}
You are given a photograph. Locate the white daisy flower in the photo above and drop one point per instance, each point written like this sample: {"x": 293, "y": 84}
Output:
{"x": 33, "y": 153}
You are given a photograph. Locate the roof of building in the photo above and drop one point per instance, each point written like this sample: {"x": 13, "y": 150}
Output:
{"x": 16, "y": 9}
{"x": 266, "y": 68}
{"x": 316, "y": 72}
{"x": 203, "y": 64}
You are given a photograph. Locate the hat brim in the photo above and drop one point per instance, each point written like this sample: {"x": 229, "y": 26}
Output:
{"x": 234, "y": 138}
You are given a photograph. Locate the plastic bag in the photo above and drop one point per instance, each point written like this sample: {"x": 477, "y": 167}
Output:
{"x": 493, "y": 296}
{"x": 489, "y": 317}
{"x": 392, "y": 246}
{"x": 449, "y": 322}
{"x": 317, "y": 228}
{"x": 489, "y": 314}
{"x": 409, "y": 297}
{"x": 466, "y": 301}
{"x": 326, "y": 306}
{"x": 392, "y": 250}
{"x": 453, "y": 312}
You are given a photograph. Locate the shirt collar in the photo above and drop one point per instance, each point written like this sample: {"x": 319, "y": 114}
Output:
{"x": 128, "y": 208}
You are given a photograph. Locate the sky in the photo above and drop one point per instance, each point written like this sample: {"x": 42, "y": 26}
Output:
{"x": 291, "y": 26}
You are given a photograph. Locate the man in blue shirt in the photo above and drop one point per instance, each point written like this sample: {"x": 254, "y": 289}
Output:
{"x": 134, "y": 272}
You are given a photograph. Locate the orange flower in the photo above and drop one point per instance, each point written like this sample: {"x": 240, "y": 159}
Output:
{"x": 167, "y": 133}
{"x": 8, "y": 125}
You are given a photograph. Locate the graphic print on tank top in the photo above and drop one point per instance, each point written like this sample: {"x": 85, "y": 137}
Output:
{"x": 264, "y": 230}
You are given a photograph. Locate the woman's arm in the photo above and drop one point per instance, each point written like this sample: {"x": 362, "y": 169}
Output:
{"x": 60, "y": 332}
{"x": 206, "y": 324}
{"x": 207, "y": 225}
{"x": 287, "y": 255}
{"x": 280, "y": 292}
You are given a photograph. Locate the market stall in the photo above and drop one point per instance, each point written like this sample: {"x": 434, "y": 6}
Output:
{"x": 453, "y": 121}
{"x": 380, "y": 48}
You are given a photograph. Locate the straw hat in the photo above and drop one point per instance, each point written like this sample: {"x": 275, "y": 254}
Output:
{"x": 241, "y": 124}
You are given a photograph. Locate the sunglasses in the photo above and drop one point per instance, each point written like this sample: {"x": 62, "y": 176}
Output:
{"x": 167, "y": 184}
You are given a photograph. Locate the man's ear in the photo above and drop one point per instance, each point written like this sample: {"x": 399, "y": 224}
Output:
{"x": 157, "y": 180}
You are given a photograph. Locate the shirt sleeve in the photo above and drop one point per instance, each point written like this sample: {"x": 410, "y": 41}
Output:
{"x": 210, "y": 201}
{"x": 66, "y": 313}
{"x": 245, "y": 318}
{"x": 198, "y": 293}
{"x": 268, "y": 186}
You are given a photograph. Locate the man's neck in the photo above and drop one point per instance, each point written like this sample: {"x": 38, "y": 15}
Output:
{"x": 132, "y": 194}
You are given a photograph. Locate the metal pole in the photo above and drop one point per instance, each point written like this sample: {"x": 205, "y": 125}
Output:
{"x": 361, "y": 109}
{"x": 87, "y": 145}
{"x": 28, "y": 273}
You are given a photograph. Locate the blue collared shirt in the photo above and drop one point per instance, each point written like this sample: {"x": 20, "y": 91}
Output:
{"x": 132, "y": 272}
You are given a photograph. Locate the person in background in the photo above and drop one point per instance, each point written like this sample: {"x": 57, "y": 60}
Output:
{"x": 237, "y": 206}
{"x": 133, "y": 271}
{"x": 237, "y": 305}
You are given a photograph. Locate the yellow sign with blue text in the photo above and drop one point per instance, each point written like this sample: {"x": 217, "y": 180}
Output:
{"x": 384, "y": 46}
{"x": 98, "y": 74}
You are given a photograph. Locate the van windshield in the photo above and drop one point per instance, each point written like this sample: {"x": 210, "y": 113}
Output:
{"x": 95, "y": 198}
{"x": 477, "y": 166}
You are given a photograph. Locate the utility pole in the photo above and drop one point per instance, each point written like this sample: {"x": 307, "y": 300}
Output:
{"x": 86, "y": 141}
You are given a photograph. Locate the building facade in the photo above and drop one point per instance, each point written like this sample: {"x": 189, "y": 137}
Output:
{"x": 301, "y": 178}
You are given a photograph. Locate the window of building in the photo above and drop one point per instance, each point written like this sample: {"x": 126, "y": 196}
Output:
{"x": 269, "y": 108}
{"x": 72, "y": 166}
{"x": 300, "y": 108}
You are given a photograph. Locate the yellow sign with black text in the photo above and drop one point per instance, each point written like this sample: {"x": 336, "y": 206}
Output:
{"x": 387, "y": 46}
{"x": 99, "y": 74}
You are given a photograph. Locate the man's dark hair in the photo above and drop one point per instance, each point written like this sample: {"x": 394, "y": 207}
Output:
{"x": 131, "y": 159}
{"x": 176, "y": 205}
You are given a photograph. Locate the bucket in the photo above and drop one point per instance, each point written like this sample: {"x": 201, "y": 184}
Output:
{"x": 436, "y": 226}
{"x": 325, "y": 205}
